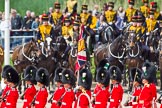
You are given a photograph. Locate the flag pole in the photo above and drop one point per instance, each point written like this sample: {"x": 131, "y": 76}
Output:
{"x": 7, "y": 33}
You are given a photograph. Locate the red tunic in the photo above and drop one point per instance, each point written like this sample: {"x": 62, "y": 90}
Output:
{"x": 4, "y": 93}
{"x": 96, "y": 90}
{"x": 56, "y": 96}
{"x": 41, "y": 98}
{"x": 11, "y": 99}
{"x": 136, "y": 93}
{"x": 145, "y": 97}
{"x": 29, "y": 95}
{"x": 68, "y": 99}
{"x": 153, "y": 89}
{"x": 116, "y": 96}
{"x": 83, "y": 100}
{"x": 102, "y": 97}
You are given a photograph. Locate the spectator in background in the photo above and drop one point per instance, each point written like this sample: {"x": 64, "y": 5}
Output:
{"x": 40, "y": 19}
{"x": 27, "y": 23}
{"x": 16, "y": 23}
{"x": 50, "y": 11}
{"x": 2, "y": 28}
{"x": 0, "y": 20}
{"x": 101, "y": 23}
{"x": 105, "y": 7}
{"x": 33, "y": 16}
{"x": 95, "y": 10}
{"x": 35, "y": 23}
{"x": 0, "y": 16}
{"x": 120, "y": 18}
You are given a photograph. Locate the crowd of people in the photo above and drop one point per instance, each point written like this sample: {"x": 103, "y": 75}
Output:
{"x": 75, "y": 91}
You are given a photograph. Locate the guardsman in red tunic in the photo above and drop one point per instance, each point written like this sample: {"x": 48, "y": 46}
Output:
{"x": 60, "y": 88}
{"x": 69, "y": 80}
{"x": 12, "y": 95}
{"x": 101, "y": 93}
{"x": 40, "y": 99}
{"x": 6, "y": 89}
{"x": 85, "y": 81}
{"x": 30, "y": 92}
{"x": 135, "y": 77}
{"x": 117, "y": 90}
{"x": 146, "y": 95}
{"x": 152, "y": 69}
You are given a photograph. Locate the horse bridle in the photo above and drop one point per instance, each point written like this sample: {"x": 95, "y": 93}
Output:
{"x": 28, "y": 51}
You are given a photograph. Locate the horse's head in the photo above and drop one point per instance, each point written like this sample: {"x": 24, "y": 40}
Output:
{"x": 30, "y": 50}
{"x": 132, "y": 39}
{"x": 46, "y": 46}
{"x": 61, "y": 43}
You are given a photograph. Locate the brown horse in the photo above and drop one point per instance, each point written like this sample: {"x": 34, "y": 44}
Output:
{"x": 72, "y": 58}
{"x": 24, "y": 55}
{"x": 1, "y": 57}
{"x": 134, "y": 58}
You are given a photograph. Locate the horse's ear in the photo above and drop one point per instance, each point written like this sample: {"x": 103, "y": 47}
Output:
{"x": 33, "y": 39}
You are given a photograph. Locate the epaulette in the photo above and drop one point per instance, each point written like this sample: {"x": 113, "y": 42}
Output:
{"x": 116, "y": 85}
{"x": 147, "y": 85}
{"x": 103, "y": 88}
{"x": 139, "y": 87}
{"x": 30, "y": 85}
{"x": 42, "y": 89}
{"x": 68, "y": 90}
{"x": 13, "y": 88}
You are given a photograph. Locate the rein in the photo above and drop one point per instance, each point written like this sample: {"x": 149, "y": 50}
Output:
{"x": 119, "y": 57}
{"x": 26, "y": 55}
{"x": 131, "y": 54}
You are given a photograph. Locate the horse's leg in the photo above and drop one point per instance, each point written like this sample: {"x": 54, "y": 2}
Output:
{"x": 160, "y": 78}
{"x": 20, "y": 83}
{"x": 95, "y": 74}
{"x": 124, "y": 76}
{"x": 24, "y": 83}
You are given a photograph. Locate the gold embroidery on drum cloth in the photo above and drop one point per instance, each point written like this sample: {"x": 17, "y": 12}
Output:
{"x": 1, "y": 51}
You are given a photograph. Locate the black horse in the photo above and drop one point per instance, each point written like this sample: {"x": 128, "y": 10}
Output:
{"x": 113, "y": 52}
{"x": 107, "y": 35}
{"x": 133, "y": 54}
{"x": 152, "y": 43}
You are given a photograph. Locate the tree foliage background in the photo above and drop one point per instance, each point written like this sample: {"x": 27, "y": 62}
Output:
{"x": 40, "y": 6}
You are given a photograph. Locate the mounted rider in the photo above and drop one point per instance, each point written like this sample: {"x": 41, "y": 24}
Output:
{"x": 73, "y": 37}
{"x": 153, "y": 6}
{"x": 129, "y": 12}
{"x": 111, "y": 17}
{"x": 140, "y": 30}
{"x": 133, "y": 27}
{"x": 71, "y": 7}
{"x": 145, "y": 8}
{"x": 45, "y": 29}
{"x": 56, "y": 16}
{"x": 151, "y": 23}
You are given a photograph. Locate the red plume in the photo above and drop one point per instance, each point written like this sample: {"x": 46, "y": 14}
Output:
{"x": 128, "y": 1}
{"x": 152, "y": 3}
